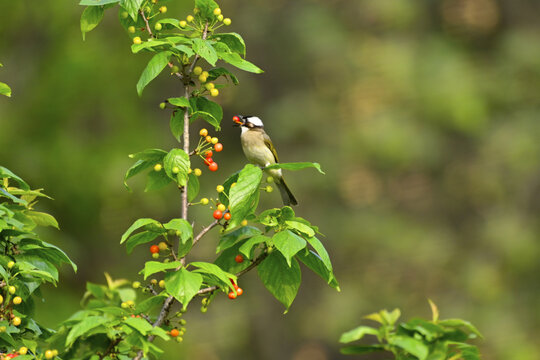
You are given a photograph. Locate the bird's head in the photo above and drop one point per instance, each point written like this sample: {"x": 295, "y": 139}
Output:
{"x": 247, "y": 122}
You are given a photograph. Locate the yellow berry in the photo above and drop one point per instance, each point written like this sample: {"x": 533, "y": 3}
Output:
{"x": 23, "y": 350}
{"x": 220, "y": 17}
{"x": 130, "y": 303}
{"x": 217, "y": 11}
{"x": 219, "y": 188}
{"x": 124, "y": 305}
{"x": 136, "y": 284}
{"x": 154, "y": 1}
{"x": 209, "y": 86}
{"x": 221, "y": 207}
{"x": 17, "y": 300}
{"x": 202, "y": 78}
{"x": 197, "y": 172}
{"x": 158, "y": 167}
{"x": 12, "y": 289}
{"x": 205, "y": 73}
{"x": 182, "y": 24}
{"x": 137, "y": 40}
{"x": 189, "y": 18}
{"x": 203, "y": 132}
{"x": 161, "y": 283}
{"x": 124, "y": 15}
{"x": 131, "y": 29}
{"x": 49, "y": 354}
{"x": 1, "y": 299}
{"x": 2, "y": 329}
{"x": 189, "y": 171}
{"x": 208, "y": 139}
{"x": 244, "y": 222}
{"x": 16, "y": 321}
{"x": 55, "y": 352}
{"x": 163, "y": 246}
{"x": 163, "y": 9}
{"x": 153, "y": 281}
{"x": 269, "y": 189}
{"x": 270, "y": 179}
{"x": 158, "y": 26}
{"x": 227, "y": 21}
{"x": 10, "y": 264}
{"x": 197, "y": 70}
{"x": 195, "y": 11}
{"x": 214, "y": 140}
{"x": 205, "y": 201}
{"x": 175, "y": 170}
{"x": 155, "y": 255}
{"x": 214, "y": 92}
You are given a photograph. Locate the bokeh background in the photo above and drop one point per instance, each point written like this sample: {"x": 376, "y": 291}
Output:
{"x": 424, "y": 114}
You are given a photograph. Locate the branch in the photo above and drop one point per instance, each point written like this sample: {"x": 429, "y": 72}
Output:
{"x": 204, "y": 231}
{"x": 147, "y": 24}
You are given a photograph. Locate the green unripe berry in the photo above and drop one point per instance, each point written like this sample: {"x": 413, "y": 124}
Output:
{"x": 220, "y": 17}
{"x": 179, "y": 339}
{"x": 163, "y": 9}
{"x": 217, "y": 11}
{"x": 162, "y": 105}
{"x": 202, "y": 78}
{"x": 161, "y": 283}
{"x": 269, "y": 179}
{"x": 197, "y": 70}
{"x": 131, "y": 29}
{"x": 130, "y": 303}
{"x": 158, "y": 167}
{"x": 190, "y": 18}
{"x": 175, "y": 170}
{"x": 153, "y": 281}
{"x": 204, "y": 309}
{"x": 182, "y": 322}
{"x": 3, "y": 328}
{"x": 269, "y": 189}
{"x": 136, "y": 284}
{"x": 175, "y": 69}
{"x": 158, "y": 26}
{"x": 124, "y": 305}
{"x": 196, "y": 11}
{"x": 197, "y": 172}
{"x": 204, "y": 201}
{"x": 209, "y": 86}
{"x": 155, "y": 255}
{"x": 124, "y": 14}
{"x": 227, "y": 21}
{"x": 269, "y": 249}
{"x": 147, "y": 9}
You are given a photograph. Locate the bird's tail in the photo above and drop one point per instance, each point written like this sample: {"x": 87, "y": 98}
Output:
{"x": 286, "y": 194}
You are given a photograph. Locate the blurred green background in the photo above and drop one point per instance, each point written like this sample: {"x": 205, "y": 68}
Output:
{"x": 424, "y": 114}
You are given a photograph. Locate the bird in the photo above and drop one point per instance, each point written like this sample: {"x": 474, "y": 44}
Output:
{"x": 259, "y": 150}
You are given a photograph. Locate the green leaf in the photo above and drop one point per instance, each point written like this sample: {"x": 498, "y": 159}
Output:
{"x": 151, "y": 155}
{"x": 97, "y": 2}
{"x": 5, "y": 89}
{"x": 177, "y": 159}
{"x": 83, "y": 327}
{"x": 132, "y": 7}
{"x": 410, "y": 345}
{"x": 177, "y": 124}
{"x": 226, "y": 260}
{"x": 42, "y": 219}
{"x": 181, "y": 225}
{"x": 314, "y": 262}
{"x": 90, "y": 18}
{"x": 152, "y": 267}
{"x": 321, "y": 251}
{"x": 204, "y": 49}
{"x": 183, "y": 285}
{"x": 137, "y": 225}
{"x": 296, "y": 166}
{"x": 357, "y": 334}
{"x": 233, "y": 41}
{"x": 6, "y": 173}
{"x": 217, "y": 72}
{"x": 215, "y": 270}
{"x": 301, "y": 227}
{"x": 288, "y": 243}
{"x": 154, "y": 68}
{"x": 247, "y": 247}
{"x": 139, "y": 166}
{"x": 210, "y": 111}
{"x": 361, "y": 349}
{"x": 206, "y": 8}
{"x": 150, "y": 303}
{"x": 179, "y": 101}
{"x": 148, "y": 45}
{"x": 458, "y": 323}
{"x": 235, "y": 236}
{"x": 280, "y": 279}
{"x": 185, "y": 49}
{"x": 237, "y": 61}
{"x": 156, "y": 180}
{"x": 139, "y": 324}
{"x": 243, "y": 197}
{"x": 193, "y": 187}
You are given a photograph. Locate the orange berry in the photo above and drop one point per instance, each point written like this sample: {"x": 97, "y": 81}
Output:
{"x": 217, "y": 214}
{"x": 227, "y": 216}
{"x": 239, "y": 291}
{"x": 213, "y": 166}
{"x": 154, "y": 249}
{"x": 175, "y": 332}
{"x": 218, "y": 147}
{"x": 239, "y": 258}
{"x": 232, "y": 295}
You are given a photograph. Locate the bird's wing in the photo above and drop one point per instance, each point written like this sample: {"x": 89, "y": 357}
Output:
{"x": 270, "y": 146}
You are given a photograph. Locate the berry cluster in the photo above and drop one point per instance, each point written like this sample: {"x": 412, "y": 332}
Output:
{"x": 155, "y": 249}
{"x": 23, "y": 350}
{"x": 238, "y": 291}
{"x": 205, "y": 146}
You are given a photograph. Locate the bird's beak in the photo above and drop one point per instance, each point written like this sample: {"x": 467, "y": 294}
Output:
{"x": 238, "y": 121}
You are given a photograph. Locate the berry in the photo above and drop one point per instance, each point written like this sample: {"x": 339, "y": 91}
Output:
{"x": 217, "y": 11}
{"x": 214, "y": 140}
{"x": 217, "y": 214}
{"x": 147, "y": 9}
{"x": 220, "y": 188}
{"x": 203, "y": 132}
{"x": 195, "y": 10}
{"x": 213, "y": 166}
{"x": 204, "y": 309}
{"x": 155, "y": 256}
{"x": 214, "y": 92}
{"x": 162, "y": 105}
{"x": 182, "y": 23}
{"x": 17, "y": 300}
{"x": 204, "y": 201}
{"x": 161, "y": 283}
{"x": 208, "y": 161}
{"x": 55, "y": 352}
{"x": 244, "y": 222}
{"x": 202, "y": 78}
{"x": 163, "y": 9}
{"x": 154, "y": 249}
{"x": 209, "y": 86}
{"x": 218, "y": 147}
{"x": 137, "y": 40}
{"x": 2, "y": 329}
{"x": 23, "y": 350}
{"x": 197, "y": 172}
{"x": 124, "y": 305}
{"x": 124, "y": 15}
{"x": 232, "y": 295}
{"x": 208, "y": 138}
{"x": 175, "y": 170}
{"x": 131, "y": 29}
{"x": 208, "y": 154}
{"x": 179, "y": 339}
{"x": 175, "y": 332}
{"x": 158, "y": 167}
{"x": 16, "y": 321}
{"x": 136, "y": 284}
{"x": 10, "y": 264}
{"x": 221, "y": 207}
{"x": 239, "y": 291}
{"x": 49, "y": 354}
{"x": 197, "y": 70}
{"x": 175, "y": 69}
{"x": 130, "y": 303}
{"x": 227, "y": 216}
{"x": 269, "y": 189}
{"x": 190, "y": 18}
{"x": 1, "y": 299}
{"x": 154, "y": 1}
{"x": 236, "y": 118}
{"x": 220, "y": 17}
{"x": 239, "y": 259}
{"x": 227, "y": 21}
{"x": 12, "y": 289}
{"x": 158, "y": 26}
{"x": 153, "y": 281}
{"x": 163, "y": 246}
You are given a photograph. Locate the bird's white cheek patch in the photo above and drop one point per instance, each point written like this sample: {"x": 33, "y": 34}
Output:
{"x": 244, "y": 129}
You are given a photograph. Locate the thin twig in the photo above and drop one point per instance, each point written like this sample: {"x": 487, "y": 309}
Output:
{"x": 147, "y": 24}
{"x": 204, "y": 231}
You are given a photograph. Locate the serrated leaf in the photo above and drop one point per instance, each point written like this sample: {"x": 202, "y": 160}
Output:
{"x": 137, "y": 225}
{"x": 217, "y": 72}
{"x": 132, "y": 7}
{"x": 83, "y": 327}
{"x": 204, "y": 49}
{"x": 152, "y": 267}
{"x": 303, "y": 228}
{"x": 357, "y": 334}
{"x": 288, "y": 243}
{"x": 153, "y": 69}
{"x": 193, "y": 187}
{"x": 215, "y": 270}
{"x": 156, "y": 180}
{"x": 150, "y": 303}
{"x": 314, "y": 262}
{"x": 321, "y": 251}
{"x": 234, "y": 42}
{"x": 177, "y": 159}
{"x": 280, "y": 279}
{"x": 179, "y": 101}
{"x": 139, "y": 324}
{"x": 183, "y": 285}
{"x": 226, "y": 260}
{"x": 42, "y": 219}
{"x": 243, "y": 197}
{"x": 6, "y": 173}
{"x": 247, "y": 247}
{"x": 148, "y": 45}
{"x": 151, "y": 155}
{"x": 210, "y": 111}
{"x": 181, "y": 225}
{"x": 90, "y": 18}
{"x": 177, "y": 124}
{"x": 457, "y": 323}
{"x": 228, "y": 240}
{"x": 296, "y": 166}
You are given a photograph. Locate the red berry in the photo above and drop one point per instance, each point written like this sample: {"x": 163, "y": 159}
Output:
{"x": 209, "y": 154}
{"x": 227, "y": 216}
{"x": 239, "y": 291}
{"x": 213, "y": 167}
{"x": 232, "y": 295}
{"x": 208, "y": 161}
{"x": 175, "y": 332}
{"x": 218, "y": 147}
{"x": 236, "y": 119}
{"x": 154, "y": 249}
{"x": 239, "y": 258}
{"x": 218, "y": 214}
